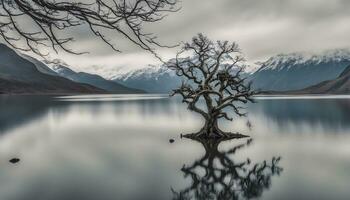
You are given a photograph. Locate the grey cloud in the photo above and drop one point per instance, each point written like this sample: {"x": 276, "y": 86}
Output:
{"x": 261, "y": 27}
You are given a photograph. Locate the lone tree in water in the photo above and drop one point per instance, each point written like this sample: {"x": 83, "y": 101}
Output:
{"x": 213, "y": 74}
{"x": 30, "y": 25}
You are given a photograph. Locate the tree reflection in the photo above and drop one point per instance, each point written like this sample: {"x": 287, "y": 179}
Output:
{"x": 217, "y": 176}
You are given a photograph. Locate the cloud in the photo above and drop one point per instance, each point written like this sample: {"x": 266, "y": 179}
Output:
{"x": 262, "y": 28}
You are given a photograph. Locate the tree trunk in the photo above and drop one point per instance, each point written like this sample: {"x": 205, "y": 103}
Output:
{"x": 211, "y": 130}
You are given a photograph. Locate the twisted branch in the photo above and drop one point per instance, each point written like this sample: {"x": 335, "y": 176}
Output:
{"x": 50, "y": 19}
{"x": 213, "y": 72}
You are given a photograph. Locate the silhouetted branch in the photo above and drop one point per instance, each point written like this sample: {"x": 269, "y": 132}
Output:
{"x": 42, "y": 23}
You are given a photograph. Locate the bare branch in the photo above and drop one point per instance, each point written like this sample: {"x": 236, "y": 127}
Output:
{"x": 214, "y": 73}
{"x": 50, "y": 19}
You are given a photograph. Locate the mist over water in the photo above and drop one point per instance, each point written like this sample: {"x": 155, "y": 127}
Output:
{"x": 117, "y": 147}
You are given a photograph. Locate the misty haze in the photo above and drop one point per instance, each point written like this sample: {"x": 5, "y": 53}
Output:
{"x": 169, "y": 99}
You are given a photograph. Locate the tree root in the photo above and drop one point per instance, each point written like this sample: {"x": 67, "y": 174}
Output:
{"x": 219, "y": 135}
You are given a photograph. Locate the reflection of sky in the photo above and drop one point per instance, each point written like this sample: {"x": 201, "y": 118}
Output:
{"x": 303, "y": 115}
{"x": 102, "y": 150}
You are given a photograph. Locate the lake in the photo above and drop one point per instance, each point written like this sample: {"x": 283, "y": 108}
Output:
{"x": 116, "y": 147}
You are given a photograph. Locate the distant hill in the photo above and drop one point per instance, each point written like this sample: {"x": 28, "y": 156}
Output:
{"x": 340, "y": 85}
{"x": 40, "y": 66}
{"x": 93, "y": 79}
{"x": 153, "y": 79}
{"x": 20, "y": 76}
{"x": 296, "y": 71}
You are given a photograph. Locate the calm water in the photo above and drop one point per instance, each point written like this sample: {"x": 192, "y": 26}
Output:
{"x": 117, "y": 147}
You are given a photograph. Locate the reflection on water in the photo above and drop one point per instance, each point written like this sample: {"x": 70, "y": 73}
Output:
{"x": 116, "y": 97}
{"x": 329, "y": 114}
{"x": 216, "y": 175}
{"x": 16, "y": 111}
{"x": 116, "y": 147}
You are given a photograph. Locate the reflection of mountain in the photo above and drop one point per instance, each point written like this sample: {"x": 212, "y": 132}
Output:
{"x": 216, "y": 175}
{"x": 16, "y": 111}
{"x": 331, "y": 114}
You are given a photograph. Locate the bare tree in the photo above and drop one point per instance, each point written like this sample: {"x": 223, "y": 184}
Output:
{"x": 48, "y": 20}
{"x": 213, "y": 74}
{"x": 216, "y": 175}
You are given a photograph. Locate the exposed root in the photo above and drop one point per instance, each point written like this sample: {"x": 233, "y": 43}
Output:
{"x": 219, "y": 135}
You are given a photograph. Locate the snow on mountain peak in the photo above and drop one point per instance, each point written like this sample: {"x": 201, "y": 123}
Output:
{"x": 151, "y": 71}
{"x": 281, "y": 61}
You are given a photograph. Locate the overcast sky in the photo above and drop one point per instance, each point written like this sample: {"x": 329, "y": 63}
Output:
{"x": 262, "y": 28}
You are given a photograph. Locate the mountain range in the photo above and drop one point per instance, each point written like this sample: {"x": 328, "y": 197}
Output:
{"x": 153, "y": 79}
{"x": 23, "y": 74}
{"x": 340, "y": 85}
{"x": 325, "y": 72}
{"x": 280, "y": 73}
{"x": 93, "y": 79}
{"x": 18, "y": 75}
{"x": 296, "y": 71}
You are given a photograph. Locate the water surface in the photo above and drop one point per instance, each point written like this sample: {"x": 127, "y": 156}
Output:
{"x": 117, "y": 147}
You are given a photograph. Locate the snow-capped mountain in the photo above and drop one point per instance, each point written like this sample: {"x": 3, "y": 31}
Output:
{"x": 62, "y": 70}
{"x": 148, "y": 71}
{"x": 153, "y": 79}
{"x": 299, "y": 70}
{"x": 282, "y": 61}
{"x": 252, "y": 68}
